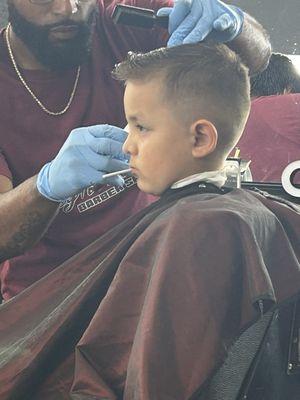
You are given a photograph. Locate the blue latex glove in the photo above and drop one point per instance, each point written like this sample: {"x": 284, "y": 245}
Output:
{"x": 191, "y": 21}
{"x": 87, "y": 154}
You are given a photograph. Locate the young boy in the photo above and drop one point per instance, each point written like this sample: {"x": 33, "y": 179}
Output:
{"x": 151, "y": 309}
{"x": 183, "y": 119}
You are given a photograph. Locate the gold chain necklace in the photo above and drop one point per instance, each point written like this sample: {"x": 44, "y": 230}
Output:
{"x": 7, "y": 32}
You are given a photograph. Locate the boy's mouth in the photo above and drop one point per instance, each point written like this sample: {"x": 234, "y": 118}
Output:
{"x": 134, "y": 171}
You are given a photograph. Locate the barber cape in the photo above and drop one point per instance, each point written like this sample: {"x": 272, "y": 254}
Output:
{"x": 150, "y": 310}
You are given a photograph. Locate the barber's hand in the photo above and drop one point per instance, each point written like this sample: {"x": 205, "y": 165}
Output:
{"x": 87, "y": 154}
{"x": 191, "y": 21}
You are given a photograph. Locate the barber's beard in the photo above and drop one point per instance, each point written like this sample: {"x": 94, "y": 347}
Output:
{"x": 59, "y": 55}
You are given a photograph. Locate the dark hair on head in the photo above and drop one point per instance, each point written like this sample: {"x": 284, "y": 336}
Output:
{"x": 279, "y": 77}
{"x": 203, "y": 80}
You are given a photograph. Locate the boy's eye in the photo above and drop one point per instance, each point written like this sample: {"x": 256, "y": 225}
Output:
{"x": 141, "y": 128}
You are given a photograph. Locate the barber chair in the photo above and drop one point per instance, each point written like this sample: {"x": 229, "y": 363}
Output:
{"x": 264, "y": 363}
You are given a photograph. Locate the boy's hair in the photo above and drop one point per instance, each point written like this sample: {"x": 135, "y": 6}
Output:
{"x": 279, "y": 77}
{"x": 204, "y": 80}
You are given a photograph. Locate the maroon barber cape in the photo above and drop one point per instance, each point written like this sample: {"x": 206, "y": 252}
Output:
{"x": 149, "y": 310}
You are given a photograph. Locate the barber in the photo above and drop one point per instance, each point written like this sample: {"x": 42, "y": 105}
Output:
{"x": 55, "y": 77}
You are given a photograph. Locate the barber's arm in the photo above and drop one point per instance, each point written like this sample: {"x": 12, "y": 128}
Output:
{"x": 195, "y": 20}
{"x": 27, "y": 210}
{"x": 253, "y": 45}
{"x": 24, "y": 214}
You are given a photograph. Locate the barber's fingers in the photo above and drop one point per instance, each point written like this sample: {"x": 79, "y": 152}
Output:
{"x": 105, "y": 160}
{"x": 207, "y": 24}
{"x": 117, "y": 180}
{"x": 191, "y": 21}
{"x": 107, "y": 147}
{"x": 102, "y": 139}
{"x": 223, "y": 23}
{"x": 176, "y": 14}
{"x": 165, "y": 12}
{"x": 201, "y": 30}
{"x": 187, "y": 25}
{"x": 205, "y": 13}
{"x": 94, "y": 177}
{"x": 106, "y": 131}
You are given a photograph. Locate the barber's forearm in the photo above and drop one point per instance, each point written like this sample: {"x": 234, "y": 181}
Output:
{"x": 24, "y": 217}
{"x": 253, "y": 45}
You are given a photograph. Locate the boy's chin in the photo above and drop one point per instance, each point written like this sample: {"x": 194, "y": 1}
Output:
{"x": 150, "y": 189}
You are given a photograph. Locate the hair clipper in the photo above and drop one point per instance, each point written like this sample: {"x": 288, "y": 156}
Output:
{"x": 138, "y": 17}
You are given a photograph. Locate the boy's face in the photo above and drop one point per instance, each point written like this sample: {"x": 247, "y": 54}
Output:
{"x": 160, "y": 147}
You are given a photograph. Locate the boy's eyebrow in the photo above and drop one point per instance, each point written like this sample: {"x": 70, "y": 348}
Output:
{"x": 133, "y": 118}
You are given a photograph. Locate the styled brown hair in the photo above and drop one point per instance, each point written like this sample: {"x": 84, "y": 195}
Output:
{"x": 203, "y": 80}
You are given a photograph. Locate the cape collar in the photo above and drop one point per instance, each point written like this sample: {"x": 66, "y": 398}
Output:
{"x": 217, "y": 178}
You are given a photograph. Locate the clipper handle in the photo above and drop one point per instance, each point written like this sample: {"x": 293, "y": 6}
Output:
{"x": 139, "y": 17}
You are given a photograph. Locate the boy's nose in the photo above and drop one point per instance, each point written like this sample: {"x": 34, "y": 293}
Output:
{"x": 129, "y": 146}
{"x": 125, "y": 147}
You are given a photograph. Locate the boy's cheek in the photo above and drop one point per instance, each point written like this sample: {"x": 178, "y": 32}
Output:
{"x": 149, "y": 185}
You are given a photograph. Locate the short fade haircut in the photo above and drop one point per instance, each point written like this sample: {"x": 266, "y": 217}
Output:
{"x": 203, "y": 80}
{"x": 279, "y": 77}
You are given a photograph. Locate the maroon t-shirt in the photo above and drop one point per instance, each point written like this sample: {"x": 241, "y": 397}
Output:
{"x": 29, "y": 138}
{"x": 272, "y": 136}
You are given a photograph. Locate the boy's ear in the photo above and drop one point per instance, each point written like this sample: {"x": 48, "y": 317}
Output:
{"x": 204, "y": 137}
